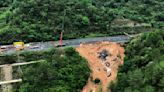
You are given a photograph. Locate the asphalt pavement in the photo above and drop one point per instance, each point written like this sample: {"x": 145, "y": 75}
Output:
{"x": 37, "y": 46}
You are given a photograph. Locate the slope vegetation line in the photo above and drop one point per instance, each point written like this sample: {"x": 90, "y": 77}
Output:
{"x": 103, "y": 58}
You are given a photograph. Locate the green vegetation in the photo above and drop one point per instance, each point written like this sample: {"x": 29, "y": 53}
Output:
{"x": 63, "y": 71}
{"x": 43, "y": 20}
{"x": 143, "y": 70}
{"x": 5, "y": 3}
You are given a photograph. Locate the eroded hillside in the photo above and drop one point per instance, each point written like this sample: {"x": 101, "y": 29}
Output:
{"x": 104, "y": 58}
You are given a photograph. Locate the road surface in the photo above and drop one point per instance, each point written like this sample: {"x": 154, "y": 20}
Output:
{"x": 37, "y": 46}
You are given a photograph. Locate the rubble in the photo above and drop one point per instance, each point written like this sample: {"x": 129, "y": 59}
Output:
{"x": 115, "y": 59}
{"x": 109, "y": 74}
{"x": 99, "y": 56}
{"x": 103, "y": 54}
{"x": 107, "y": 64}
{"x": 105, "y": 69}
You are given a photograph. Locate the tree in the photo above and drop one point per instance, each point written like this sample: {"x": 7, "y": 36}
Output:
{"x": 142, "y": 70}
{"x": 60, "y": 73}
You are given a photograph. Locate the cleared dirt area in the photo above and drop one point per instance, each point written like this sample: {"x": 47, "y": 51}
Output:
{"x": 104, "y": 58}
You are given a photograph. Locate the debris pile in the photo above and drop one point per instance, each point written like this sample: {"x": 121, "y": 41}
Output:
{"x": 103, "y": 58}
{"x": 103, "y": 54}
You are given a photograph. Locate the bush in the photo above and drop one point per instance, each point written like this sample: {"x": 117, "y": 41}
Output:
{"x": 43, "y": 20}
{"x": 142, "y": 66}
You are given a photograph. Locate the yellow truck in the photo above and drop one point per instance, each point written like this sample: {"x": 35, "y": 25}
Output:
{"x": 19, "y": 45}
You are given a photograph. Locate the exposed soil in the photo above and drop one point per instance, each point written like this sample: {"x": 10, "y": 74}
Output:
{"x": 100, "y": 67}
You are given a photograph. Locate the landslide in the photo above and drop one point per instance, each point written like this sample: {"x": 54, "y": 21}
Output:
{"x": 104, "y": 59}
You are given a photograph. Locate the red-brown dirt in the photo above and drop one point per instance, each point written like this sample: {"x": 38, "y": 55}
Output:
{"x": 98, "y": 67}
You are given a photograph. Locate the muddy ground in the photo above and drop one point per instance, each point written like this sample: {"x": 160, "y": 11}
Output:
{"x": 104, "y": 59}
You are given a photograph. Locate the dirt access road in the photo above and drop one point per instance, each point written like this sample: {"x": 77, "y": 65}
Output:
{"x": 103, "y": 58}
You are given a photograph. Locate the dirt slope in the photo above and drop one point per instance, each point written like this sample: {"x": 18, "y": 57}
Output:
{"x": 101, "y": 66}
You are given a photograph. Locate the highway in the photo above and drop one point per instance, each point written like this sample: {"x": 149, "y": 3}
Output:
{"x": 37, "y": 46}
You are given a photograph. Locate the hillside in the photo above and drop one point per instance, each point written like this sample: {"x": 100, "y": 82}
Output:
{"x": 104, "y": 59}
{"x": 126, "y": 55}
{"x": 143, "y": 69}
{"x": 43, "y": 20}
{"x": 63, "y": 71}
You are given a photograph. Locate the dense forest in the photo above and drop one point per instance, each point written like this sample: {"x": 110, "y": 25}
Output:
{"x": 143, "y": 70}
{"x": 43, "y": 20}
{"x": 63, "y": 71}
